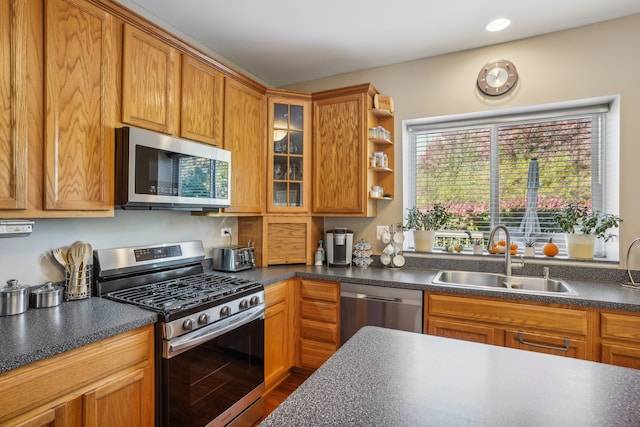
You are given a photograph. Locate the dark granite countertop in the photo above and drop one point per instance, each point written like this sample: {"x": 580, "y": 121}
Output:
{"x": 39, "y": 333}
{"x": 600, "y": 294}
{"x": 383, "y": 377}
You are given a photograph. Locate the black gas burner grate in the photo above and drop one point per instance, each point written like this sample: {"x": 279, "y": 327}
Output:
{"x": 180, "y": 294}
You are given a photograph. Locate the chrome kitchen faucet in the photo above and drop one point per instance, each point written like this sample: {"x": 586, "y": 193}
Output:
{"x": 507, "y": 251}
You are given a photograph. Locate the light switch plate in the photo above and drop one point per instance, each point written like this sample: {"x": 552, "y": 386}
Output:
{"x": 381, "y": 229}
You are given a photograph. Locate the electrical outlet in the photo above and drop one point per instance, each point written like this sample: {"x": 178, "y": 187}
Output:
{"x": 381, "y": 229}
{"x": 224, "y": 232}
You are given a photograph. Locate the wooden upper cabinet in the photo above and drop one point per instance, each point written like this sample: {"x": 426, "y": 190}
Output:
{"x": 150, "y": 82}
{"x": 13, "y": 113}
{"x": 340, "y": 152}
{"x": 245, "y": 137}
{"x": 289, "y": 151}
{"x": 79, "y": 70}
{"x": 201, "y": 102}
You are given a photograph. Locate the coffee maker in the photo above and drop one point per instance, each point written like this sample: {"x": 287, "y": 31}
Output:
{"x": 339, "y": 247}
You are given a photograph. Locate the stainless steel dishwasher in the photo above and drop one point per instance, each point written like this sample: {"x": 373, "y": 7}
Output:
{"x": 366, "y": 305}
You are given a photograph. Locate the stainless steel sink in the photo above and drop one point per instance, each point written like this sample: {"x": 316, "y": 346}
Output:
{"x": 524, "y": 284}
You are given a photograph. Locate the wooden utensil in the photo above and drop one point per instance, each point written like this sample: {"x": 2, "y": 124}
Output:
{"x": 60, "y": 255}
{"x": 88, "y": 252}
{"x": 76, "y": 257}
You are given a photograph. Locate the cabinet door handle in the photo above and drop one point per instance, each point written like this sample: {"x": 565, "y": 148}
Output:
{"x": 566, "y": 347}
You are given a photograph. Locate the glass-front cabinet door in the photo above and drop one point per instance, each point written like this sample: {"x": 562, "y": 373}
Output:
{"x": 289, "y": 151}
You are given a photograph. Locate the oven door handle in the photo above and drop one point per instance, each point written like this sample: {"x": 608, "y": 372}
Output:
{"x": 193, "y": 339}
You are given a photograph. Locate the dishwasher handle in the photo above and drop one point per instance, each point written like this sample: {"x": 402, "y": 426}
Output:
{"x": 379, "y": 298}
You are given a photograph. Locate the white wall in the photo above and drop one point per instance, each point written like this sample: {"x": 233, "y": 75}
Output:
{"x": 27, "y": 258}
{"x": 587, "y": 62}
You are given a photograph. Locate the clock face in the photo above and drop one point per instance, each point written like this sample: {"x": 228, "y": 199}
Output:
{"x": 497, "y": 77}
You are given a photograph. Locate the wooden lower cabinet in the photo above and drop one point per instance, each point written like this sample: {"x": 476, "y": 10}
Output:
{"x": 547, "y": 343}
{"x": 620, "y": 339}
{"x": 107, "y": 383}
{"x": 278, "y": 340}
{"x": 544, "y": 328}
{"x": 463, "y": 331}
{"x": 318, "y": 305}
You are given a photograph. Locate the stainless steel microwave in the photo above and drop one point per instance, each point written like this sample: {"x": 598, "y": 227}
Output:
{"x": 157, "y": 171}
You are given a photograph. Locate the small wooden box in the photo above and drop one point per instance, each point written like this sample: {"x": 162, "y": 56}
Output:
{"x": 383, "y": 102}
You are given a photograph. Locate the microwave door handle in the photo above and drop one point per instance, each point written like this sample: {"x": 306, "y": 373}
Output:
{"x": 187, "y": 342}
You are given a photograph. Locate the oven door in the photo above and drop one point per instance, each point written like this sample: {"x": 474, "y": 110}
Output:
{"x": 217, "y": 378}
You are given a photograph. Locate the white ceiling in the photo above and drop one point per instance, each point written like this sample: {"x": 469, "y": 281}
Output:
{"x": 288, "y": 41}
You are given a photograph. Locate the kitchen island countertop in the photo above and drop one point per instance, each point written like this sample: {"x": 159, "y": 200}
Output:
{"x": 383, "y": 377}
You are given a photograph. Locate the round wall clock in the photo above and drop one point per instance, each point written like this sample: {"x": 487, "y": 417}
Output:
{"x": 497, "y": 77}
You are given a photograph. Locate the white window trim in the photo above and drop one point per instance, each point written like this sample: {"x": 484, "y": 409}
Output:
{"x": 612, "y": 157}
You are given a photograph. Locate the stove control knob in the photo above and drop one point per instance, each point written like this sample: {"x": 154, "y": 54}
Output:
{"x": 203, "y": 319}
{"x": 225, "y": 311}
{"x": 244, "y": 304}
{"x": 254, "y": 301}
{"x": 188, "y": 324}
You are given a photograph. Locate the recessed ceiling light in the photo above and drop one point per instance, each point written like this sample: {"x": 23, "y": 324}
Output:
{"x": 498, "y": 24}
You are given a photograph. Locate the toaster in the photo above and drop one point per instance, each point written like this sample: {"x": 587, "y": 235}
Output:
{"x": 233, "y": 258}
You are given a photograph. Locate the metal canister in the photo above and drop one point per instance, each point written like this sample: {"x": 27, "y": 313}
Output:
{"x": 47, "y": 295}
{"x": 14, "y": 298}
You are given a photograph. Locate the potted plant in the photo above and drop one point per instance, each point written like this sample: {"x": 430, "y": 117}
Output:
{"x": 582, "y": 226}
{"x": 424, "y": 225}
{"x": 529, "y": 247}
{"x": 478, "y": 246}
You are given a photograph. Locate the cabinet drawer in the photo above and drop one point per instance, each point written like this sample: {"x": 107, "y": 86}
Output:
{"x": 559, "y": 320}
{"x": 325, "y": 291}
{"x": 319, "y": 331}
{"x": 549, "y": 344}
{"x": 620, "y": 326}
{"x": 465, "y": 331}
{"x": 318, "y": 310}
{"x": 620, "y": 355}
{"x": 315, "y": 353}
{"x": 275, "y": 293}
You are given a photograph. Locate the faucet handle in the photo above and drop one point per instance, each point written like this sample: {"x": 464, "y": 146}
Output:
{"x": 545, "y": 273}
{"x": 517, "y": 261}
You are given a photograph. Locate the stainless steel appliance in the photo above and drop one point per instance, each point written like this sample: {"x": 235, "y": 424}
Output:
{"x": 210, "y": 334}
{"x": 157, "y": 171}
{"x": 233, "y": 258}
{"x": 366, "y": 305}
{"x": 339, "y": 247}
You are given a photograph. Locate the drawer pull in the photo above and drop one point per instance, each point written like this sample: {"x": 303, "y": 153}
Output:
{"x": 548, "y": 347}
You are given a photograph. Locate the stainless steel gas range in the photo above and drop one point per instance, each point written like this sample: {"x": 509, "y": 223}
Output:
{"x": 210, "y": 335}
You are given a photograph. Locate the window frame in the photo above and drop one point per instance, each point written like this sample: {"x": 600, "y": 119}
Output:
{"x": 610, "y": 131}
